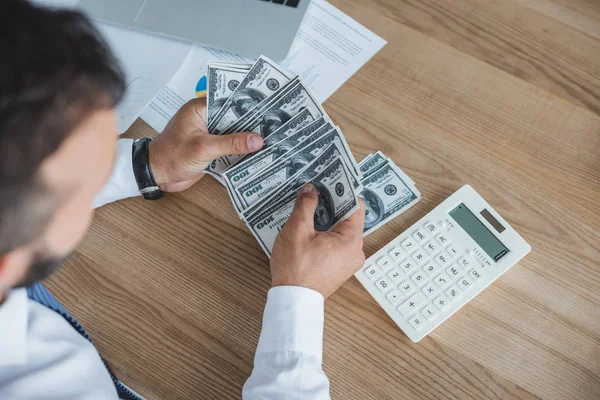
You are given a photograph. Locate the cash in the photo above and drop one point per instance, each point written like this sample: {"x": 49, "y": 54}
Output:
{"x": 280, "y": 109}
{"x": 262, "y": 80}
{"x": 372, "y": 162}
{"x": 297, "y": 159}
{"x": 387, "y": 193}
{"x": 337, "y": 200}
{"x": 301, "y": 145}
{"x": 325, "y": 158}
{"x": 271, "y": 153}
{"x": 222, "y": 80}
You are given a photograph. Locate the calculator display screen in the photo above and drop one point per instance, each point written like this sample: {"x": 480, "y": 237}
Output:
{"x": 478, "y": 231}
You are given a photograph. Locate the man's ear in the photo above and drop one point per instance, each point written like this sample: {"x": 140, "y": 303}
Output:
{"x": 13, "y": 267}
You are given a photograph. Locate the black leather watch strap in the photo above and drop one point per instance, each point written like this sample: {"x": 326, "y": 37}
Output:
{"x": 142, "y": 171}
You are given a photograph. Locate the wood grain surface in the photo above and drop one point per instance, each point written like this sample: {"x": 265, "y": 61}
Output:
{"x": 503, "y": 95}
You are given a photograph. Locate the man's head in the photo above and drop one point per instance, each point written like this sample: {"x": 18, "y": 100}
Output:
{"x": 59, "y": 84}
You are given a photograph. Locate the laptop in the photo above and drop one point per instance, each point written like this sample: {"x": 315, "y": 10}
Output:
{"x": 248, "y": 27}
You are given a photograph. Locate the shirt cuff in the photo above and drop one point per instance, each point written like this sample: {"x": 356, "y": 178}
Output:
{"x": 293, "y": 321}
{"x": 122, "y": 183}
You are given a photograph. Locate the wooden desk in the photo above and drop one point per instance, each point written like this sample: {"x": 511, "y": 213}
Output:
{"x": 504, "y": 95}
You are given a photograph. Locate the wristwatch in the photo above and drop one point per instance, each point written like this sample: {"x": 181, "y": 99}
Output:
{"x": 142, "y": 171}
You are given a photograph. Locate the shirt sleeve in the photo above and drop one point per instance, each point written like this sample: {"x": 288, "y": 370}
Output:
{"x": 287, "y": 364}
{"x": 122, "y": 183}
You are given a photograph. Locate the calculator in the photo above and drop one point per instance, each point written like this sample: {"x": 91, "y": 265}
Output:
{"x": 440, "y": 263}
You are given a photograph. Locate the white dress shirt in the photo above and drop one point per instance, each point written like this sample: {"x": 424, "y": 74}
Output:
{"x": 43, "y": 357}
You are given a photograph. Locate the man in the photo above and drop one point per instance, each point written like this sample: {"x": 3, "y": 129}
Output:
{"x": 58, "y": 88}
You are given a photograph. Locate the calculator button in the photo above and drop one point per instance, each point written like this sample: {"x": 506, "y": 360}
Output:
{"x": 453, "y": 251}
{"x": 465, "y": 283}
{"x": 453, "y": 292}
{"x": 466, "y": 262}
{"x": 416, "y": 322}
{"x": 397, "y": 254}
{"x": 441, "y": 302}
{"x": 453, "y": 271}
{"x": 373, "y": 271}
{"x": 408, "y": 245}
{"x": 418, "y": 278}
{"x": 406, "y": 287}
{"x": 475, "y": 274}
{"x": 431, "y": 247}
{"x": 430, "y": 268}
{"x": 407, "y": 266}
{"x": 394, "y": 297}
{"x": 443, "y": 239}
{"x": 395, "y": 274}
{"x": 419, "y": 256}
{"x": 412, "y": 304}
{"x": 429, "y": 311}
{"x": 383, "y": 284}
{"x": 443, "y": 258}
{"x": 385, "y": 262}
{"x": 430, "y": 227}
{"x": 442, "y": 280}
{"x": 430, "y": 290}
{"x": 420, "y": 235}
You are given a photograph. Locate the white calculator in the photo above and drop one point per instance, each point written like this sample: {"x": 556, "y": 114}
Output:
{"x": 440, "y": 263}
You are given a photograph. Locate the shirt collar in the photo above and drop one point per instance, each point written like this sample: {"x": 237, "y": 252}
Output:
{"x": 13, "y": 329}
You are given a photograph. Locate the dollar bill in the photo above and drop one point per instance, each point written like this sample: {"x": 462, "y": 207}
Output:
{"x": 387, "y": 194}
{"x": 337, "y": 201}
{"x": 364, "y": 160}
{"x": 282, "y": 110}
{"x": 225, "y": 162}
{"x": 241, "y": 172}
{"x": 263, "y": 79}
{"x": 239, "y": 124}
{"x": 330, "y": 154}
{"x": 291, "y": 128}
{"x": 270, "y": 178}
{"x": 372, "y": 163}
{"x": 299, "y": 120}
{"x": 221, "y": 82}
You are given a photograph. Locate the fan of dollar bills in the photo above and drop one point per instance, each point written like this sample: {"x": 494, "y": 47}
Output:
{"x": 301, "y": 145}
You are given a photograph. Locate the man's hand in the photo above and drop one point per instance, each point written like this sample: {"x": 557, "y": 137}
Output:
{"x": 180, "y": 154}
{"x": 322, "y": 261}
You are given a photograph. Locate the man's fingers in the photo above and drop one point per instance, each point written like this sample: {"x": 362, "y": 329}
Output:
{"x": 302, "y": 219}
{"x": 354, "y": 224}
{"x": 215, "y": 146}
{"x": 199, "y": 105}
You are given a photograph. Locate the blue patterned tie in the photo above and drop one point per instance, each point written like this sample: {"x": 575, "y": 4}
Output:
{"x": 37, "y": 292}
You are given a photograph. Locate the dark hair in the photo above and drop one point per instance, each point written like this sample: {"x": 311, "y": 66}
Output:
{"x": 55, "y": 70}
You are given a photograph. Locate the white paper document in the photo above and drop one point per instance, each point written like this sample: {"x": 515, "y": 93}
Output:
{"x": 329, "y": 48}
{"x": 149, "y": 63}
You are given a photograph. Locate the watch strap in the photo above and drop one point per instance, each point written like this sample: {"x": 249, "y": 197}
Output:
{"x": 142, "y": 171}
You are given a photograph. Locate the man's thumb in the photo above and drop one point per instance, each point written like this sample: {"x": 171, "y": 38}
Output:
{"x": 304, "y": 209}
{"x": 215, "y": 146}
